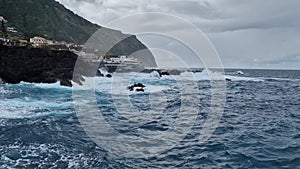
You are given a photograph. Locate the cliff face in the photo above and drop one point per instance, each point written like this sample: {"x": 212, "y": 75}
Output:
{"x": 39, "y": 66}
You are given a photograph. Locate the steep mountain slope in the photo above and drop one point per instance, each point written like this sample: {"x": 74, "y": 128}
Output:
{"x": 52, "y": 20}
{"x": 46, "y": 18}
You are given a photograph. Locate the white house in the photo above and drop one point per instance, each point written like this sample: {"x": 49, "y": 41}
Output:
{"x": 36, "y": 41}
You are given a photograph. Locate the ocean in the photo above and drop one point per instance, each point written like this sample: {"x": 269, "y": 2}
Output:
{"x": 40, "y": 126}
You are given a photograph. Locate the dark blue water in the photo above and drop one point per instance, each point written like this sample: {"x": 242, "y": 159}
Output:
{"x": 260, "y": 126}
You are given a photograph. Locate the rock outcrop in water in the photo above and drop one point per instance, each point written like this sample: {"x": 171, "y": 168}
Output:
{"x": 41, "y": 66}
{"x": 139, "y": 87}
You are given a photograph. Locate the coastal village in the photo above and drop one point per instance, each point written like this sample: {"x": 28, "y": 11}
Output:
{"x": 11, "y": 37}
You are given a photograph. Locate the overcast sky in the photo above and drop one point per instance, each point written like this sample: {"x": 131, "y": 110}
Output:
{"x": 246, "y": 33}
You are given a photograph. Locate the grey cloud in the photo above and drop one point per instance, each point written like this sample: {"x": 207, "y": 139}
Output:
{"x": 241, "y": 30}
{"x": 218, "y": 16}
{"x": 293, "y": 58}
{"x": 266, "y": 14}
{"x": 192, "y": 9}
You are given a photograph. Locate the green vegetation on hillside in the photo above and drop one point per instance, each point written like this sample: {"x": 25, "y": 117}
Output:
{"x": 46, "y": 18}
{"x": 50, "y": 19}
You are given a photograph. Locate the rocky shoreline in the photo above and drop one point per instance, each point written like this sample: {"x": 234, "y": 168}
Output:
{"x": 36, "y": 65}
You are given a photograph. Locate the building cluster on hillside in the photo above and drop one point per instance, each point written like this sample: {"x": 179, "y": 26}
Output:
{"x": 52, "y": 44}
{"x": 120, "y": 60}
{"x": 4, "y": 39}
{"x": 11, "y": 42}
{"x": 89, "y": 55}
{"x": 9, "y": 36}
{"x": 37, "y": 42}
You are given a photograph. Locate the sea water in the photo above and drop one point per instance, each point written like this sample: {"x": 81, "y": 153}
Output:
{"x": 259, "y": 128}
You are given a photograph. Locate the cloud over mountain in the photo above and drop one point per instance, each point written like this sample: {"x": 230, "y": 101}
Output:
{"x": 243, "y": 32}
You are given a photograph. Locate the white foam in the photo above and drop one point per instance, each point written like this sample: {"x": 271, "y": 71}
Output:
{"x": 239, "y": 78}
{"x": 239, "y": 72}
{"x": 4, "y": 91}
{"x": 50, "y": 85}
{"x": 118, "y": 86}
{"x": 29, "y": 107}
{"x": 281, "y": 79}
{"x": 155, "y": 74}
{"x": 120, "y": 81}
